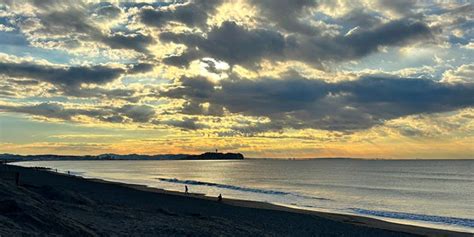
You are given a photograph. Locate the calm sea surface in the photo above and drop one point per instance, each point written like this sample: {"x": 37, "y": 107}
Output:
{"x": 435, "y": 193}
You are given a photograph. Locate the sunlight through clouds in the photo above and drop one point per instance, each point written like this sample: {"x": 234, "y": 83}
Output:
{"x": 311, "y": 79}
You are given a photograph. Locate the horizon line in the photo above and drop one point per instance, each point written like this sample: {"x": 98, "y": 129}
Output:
{"x": 253, "y": 158}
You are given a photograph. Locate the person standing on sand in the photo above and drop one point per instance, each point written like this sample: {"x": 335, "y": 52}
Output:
{"x": 186, "y": 189}
{"x": 219, "y": 198}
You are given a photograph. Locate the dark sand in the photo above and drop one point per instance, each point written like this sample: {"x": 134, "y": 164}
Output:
{"x": 51, "y": 204}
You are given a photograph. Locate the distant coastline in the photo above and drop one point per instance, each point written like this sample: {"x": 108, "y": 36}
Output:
{"x": 6, "y": 157}
{"x": 204, "y": 156}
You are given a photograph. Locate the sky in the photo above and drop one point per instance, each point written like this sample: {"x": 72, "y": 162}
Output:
{"x": 267, "y": 78}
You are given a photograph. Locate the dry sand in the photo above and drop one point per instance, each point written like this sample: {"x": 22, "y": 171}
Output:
{"x": 52, "y": 204}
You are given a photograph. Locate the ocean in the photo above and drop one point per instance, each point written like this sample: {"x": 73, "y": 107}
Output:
{"x": 431, "y": 193}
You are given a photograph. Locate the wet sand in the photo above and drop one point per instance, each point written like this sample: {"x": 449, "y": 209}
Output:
{"x": 48, "y": 203}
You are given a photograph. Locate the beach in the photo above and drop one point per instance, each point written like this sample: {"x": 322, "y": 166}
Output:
{"x": 49, "y": 203}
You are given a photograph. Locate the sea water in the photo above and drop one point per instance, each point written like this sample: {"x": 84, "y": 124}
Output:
{"x": 432, "y": 193}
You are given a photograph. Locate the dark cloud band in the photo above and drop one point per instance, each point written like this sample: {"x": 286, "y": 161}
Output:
{"x": 236, "y": 44}
{"x": 64, "y": 76}
{"x": 298, "y": 102}
{"x": 133, "y": 113}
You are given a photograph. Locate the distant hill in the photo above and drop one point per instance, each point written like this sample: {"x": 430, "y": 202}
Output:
{"x": 204, "y": 156}
{"x": 216, "y": 156}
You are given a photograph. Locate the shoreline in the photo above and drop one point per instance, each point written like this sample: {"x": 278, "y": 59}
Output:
{"x": 346, "y": 218}
{"x": 33, "y": 178}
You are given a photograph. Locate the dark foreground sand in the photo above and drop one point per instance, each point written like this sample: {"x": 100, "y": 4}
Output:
{"x": 51, "y": 204}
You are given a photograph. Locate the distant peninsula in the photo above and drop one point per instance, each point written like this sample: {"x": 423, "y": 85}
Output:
{"x": 204, "y": 156}
{"x": 216, "y": 156}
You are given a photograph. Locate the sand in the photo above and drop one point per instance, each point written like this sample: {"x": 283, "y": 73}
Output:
{"x": 52, "y": 204}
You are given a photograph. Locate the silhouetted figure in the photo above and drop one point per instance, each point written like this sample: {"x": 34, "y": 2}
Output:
{"x": 186, "y": 189}
{"x": 219, "y": 198}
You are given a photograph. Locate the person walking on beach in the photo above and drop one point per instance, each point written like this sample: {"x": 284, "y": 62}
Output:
{"x": 186, "y": 189}
{"x": 219, "y": 198}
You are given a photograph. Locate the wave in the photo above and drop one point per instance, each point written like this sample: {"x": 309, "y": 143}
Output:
{"x": 417, "y": 217}
{"x": 75, "y": 173}
{"x": 233, "y": 187}
{"x": 226, "y": 186}
{"x": 418, "y": 173}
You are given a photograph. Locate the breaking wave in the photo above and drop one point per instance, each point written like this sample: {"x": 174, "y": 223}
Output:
{"x": 233, "y": 187}
{"x": 417, "y": 217}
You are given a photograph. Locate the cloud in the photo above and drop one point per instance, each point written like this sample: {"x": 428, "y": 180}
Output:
{"x": 358, "y": 44}
{"x": 185, "y": 123}
{"x": 24, "y": 82}
{"x": 102, "y": 93}
{"x": 183, "y": 59}
{"x": 128, "y": 113}
{"x": 107, "y": 10}
{"x": 232, "y": 43}
{"x": 192, "y": 13}
{"x": 62, "y": 76}
{"x": 237, "y": 44}
{"x": 287, "y": 14}
{"x": 400, "y": 7}
{"x": 361, "y": 18}
{"x": 49, "y": 110}
{"x": 462, "y": 74}
{"x": 140, "y": 68}
{"x": 134, "y": 41}
{"x": 70, "y": 80}
{"x": 194, "y": 108}
{"x": 456, "y": 21}
{"x": 124, "y": 114}
{"x": 77, "y": 22}
{"x": 138, "y": 113}
{"x": 298, "y": 102}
